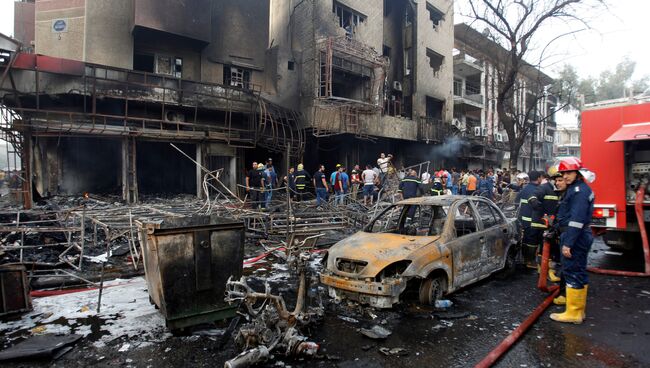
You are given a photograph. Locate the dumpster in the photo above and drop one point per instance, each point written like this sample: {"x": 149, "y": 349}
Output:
{"x": 14, "y": 290}
{"x": 187, "y": 262}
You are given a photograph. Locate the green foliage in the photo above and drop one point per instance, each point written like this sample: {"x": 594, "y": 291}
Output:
{"x": 611, "y": 84}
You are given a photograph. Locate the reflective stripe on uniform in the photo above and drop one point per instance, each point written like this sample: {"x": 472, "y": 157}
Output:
{"x": 523, "y": 201}
{"x": 577, "y": 225}
{"x": 542, "y": 226}
{"x": 528, "y": 219}
{"x": 437, "y": 191}
{"x": 551, "y": 198}
{"x": 412, "y": 180}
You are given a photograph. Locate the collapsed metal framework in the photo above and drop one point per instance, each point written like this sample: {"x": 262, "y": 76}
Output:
{"x": 42, "y": 96}
{"x": 334, "y": 115}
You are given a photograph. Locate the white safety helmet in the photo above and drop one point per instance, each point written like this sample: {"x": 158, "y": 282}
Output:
{"x": 523, "y": 177}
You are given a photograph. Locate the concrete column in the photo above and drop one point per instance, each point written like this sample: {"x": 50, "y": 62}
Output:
{"x": 125, "y": 169}
{"x": 200, "y": 149}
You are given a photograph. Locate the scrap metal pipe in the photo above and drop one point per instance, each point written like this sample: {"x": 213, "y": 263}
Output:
{"x": 638, "y": 208}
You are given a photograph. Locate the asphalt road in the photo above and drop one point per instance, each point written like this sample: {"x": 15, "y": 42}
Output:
{"x": 616, "y": 332}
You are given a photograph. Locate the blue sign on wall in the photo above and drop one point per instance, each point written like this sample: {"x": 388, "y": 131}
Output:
{"x": 59, "y": 25}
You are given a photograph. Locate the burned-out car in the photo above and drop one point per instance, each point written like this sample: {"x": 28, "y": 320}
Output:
{"x": 430, "y": 245}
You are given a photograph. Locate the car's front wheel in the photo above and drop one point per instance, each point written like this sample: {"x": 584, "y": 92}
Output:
{"x": 432, "y": 289}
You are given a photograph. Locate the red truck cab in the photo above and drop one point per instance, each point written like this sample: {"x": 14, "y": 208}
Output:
{"x": 615, "y": 144}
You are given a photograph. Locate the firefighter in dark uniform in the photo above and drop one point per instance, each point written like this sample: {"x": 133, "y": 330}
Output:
{"x": 531, "y": 220}
{"x": 573, "y": 219}
{"x": 437, "y": 188}
{"x": 410, "y": 186}
{"x": 546, "y": 201}
{"x": 302, "y": 178}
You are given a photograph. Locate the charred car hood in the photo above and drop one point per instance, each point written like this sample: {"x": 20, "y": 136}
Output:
{"x": 378, "y": 249}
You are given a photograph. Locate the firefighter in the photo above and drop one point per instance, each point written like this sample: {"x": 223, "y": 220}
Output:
{"x": 302, "y": 178}
{"x": 410, "y": 186}
{"x": 573, "y": 218}
{"x": 545, "y": 202}
{"x": 531, "y": 220}
{"x": 437, "y": 188}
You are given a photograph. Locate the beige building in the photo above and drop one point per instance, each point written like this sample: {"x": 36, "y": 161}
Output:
{"x": 475, "y": 95}
{"x": 567, "y": 141}
{"x": 228, "y": 82}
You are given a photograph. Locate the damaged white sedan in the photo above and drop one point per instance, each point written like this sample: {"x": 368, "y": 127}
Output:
{"x": 432, "y": 245}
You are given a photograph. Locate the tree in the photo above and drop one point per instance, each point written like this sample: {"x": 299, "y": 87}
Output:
{"x": 519, "y": 28}
{"x": 610, "y": 85}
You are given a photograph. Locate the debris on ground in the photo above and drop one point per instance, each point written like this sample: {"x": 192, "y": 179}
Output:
{"x": 41, "y": 346}
{"x": 376, "y": 332}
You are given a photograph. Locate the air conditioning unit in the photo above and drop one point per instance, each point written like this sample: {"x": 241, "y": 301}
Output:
{"x": 504, "y": 136}
{"x": 477, "y": 131}
{"x": 457, "y": 123}
{"x": 484, "y": 132}
{"x": 549, "y": 138}
{"x": 397, "y": 86}
{"x": 498, "y": 137}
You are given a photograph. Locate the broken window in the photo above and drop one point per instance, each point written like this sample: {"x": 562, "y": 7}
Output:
{"x": 143, "y": 62}
{"x": 487, "y": 215}
{"x": 435, "y": 15}
{"x": 348, "y": 18}
{"x": 435, "y": 61}
{"x": 412, "y": 220}
{"x": 408, "y": 62}
{"x": 465, "y": 220}
{"x": 236, "y": 77}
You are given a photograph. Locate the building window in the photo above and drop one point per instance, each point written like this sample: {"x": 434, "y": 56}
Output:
{"x": 385, "y": 51}
{"x": 348, "y": 18}
{"x": 291, "y": 65}
{"x": 408, "y": 62}
{"x": 236, "y": 77}
{"x": 435, "y": 61}
{"x": 159, "y": 64}
{"x": 435, "y": 15}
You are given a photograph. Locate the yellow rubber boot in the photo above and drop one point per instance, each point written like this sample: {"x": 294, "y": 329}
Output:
{"x": 560, "y": 300}
{"x": 552, "y": 276}
{"x": 576, "y": 300}
{"x": 584, "y": 309}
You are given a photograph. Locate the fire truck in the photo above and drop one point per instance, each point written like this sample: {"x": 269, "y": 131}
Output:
{"x": 615, "y": 144}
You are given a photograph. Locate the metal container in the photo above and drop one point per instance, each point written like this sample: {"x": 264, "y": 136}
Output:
{"x": 14, "y": 290}
{"x": 187, "y": 262}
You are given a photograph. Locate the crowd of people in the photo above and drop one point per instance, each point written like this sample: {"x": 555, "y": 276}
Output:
{"x": 366, "y": 183}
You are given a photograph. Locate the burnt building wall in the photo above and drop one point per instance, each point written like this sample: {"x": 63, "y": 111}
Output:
{"x": 190, "y": 19}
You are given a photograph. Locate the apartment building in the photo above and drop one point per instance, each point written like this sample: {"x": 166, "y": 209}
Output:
{"x": 368, "y": 76}
{"x": 567, "y": 141}
{"x": 101, "y": 88}
{"x": 475, "y": 93}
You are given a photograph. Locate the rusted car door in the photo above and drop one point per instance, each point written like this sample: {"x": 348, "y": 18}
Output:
{"x": 495, "y": 233}
{"x": 467, "y": 246}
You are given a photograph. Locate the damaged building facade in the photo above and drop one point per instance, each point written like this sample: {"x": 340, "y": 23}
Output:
{"x": 102, "y": 88}
{"x": 367, "y": 76}
{"x": 111, "y": 84}
{"x": 475, "y": 115}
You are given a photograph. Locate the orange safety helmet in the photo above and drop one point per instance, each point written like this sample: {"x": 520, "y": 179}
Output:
{"x": 569, "y": 164}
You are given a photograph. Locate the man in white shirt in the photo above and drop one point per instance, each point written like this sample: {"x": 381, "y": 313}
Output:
{"x": 369, "y": 178}
{"x": 383, "y": 162}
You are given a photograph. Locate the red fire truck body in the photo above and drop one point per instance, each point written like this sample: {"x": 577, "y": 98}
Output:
{"x": 615, "y": 144}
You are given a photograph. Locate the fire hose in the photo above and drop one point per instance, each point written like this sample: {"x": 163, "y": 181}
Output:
{"x": 542, "y": 284}
{"x": 638, "y": 208}
{"x": 554, "y": 290}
